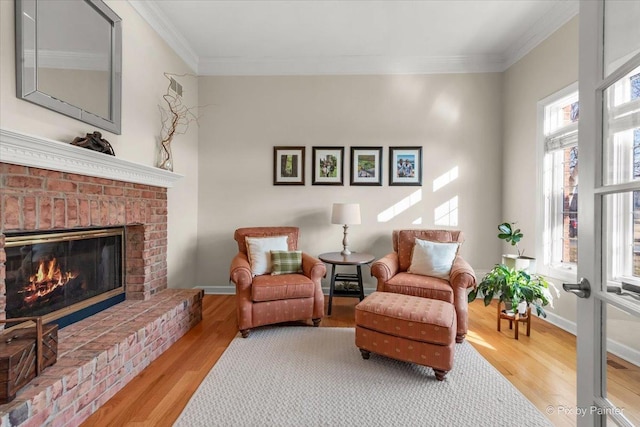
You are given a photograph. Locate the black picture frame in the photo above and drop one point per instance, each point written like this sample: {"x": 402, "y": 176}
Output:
{"x": 366, "y": 166}
{"x": 288, "y": 165}
{"x": 405, "y": 166}
{"x": 327, "y": 166}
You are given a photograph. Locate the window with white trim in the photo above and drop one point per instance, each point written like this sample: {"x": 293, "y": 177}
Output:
{"x": 559, "y": 130}
{"x": 622, "y": 131}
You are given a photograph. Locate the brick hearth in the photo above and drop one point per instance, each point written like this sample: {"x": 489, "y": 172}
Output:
{"x": 100, "y": 354}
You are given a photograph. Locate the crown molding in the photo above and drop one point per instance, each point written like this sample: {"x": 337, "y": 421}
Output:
{"x": 556, "y": 17}
{"x": 33, "y": 151}
{"x": 151, "y": 13}
{"x": 352, "y": 65}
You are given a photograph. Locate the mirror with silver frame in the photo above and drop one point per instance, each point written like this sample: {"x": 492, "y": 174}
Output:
{"x": 69, "y": 59}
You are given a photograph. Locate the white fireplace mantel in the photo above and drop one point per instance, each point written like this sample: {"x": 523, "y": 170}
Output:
{"x": 34, "y": 151}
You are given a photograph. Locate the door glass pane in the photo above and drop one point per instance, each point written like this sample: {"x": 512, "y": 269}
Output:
{"x": 621, "y": 32}
{"x": 622, "y": 371}
{"x": 570, "y": 206}
{"x": 622, "y": 237}
{"x": 621, "y": 129}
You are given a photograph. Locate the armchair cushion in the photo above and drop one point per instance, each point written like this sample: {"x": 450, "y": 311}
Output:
{"x": 420, "y": 286}
{"x": 432, "y": 258}
{"x": 286, "y": 286}
{"x": 259, "y": 251}
{"x": 286, "y": 262}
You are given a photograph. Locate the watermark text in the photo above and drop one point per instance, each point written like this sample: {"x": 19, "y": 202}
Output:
{"x": 581, "y": 412}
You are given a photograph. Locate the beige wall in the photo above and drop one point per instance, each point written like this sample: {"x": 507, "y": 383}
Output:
{"x": 145, "y": 57}
{"x": 455, "y": 118}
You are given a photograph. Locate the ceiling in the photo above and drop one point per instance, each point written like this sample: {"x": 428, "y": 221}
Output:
{"x": 301, "y": 37}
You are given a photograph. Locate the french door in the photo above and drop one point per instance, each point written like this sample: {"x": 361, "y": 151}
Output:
{"x": 608, "y": 319}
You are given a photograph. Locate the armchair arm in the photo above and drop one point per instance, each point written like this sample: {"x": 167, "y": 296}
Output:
{"x": 462, "y": 275}
{"x": 384, "y": 269}
{"x": 240, "y": 275}
{"x": 240, "y": 271}
{"x": 313, "y": 268}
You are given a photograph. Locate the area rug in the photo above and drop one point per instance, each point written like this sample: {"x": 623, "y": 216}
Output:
{"x": 304, "y": 376}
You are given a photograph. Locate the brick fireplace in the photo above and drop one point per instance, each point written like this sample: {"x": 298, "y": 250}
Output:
{"x": 38, "y": 199}
{"x": 47, "y": 185}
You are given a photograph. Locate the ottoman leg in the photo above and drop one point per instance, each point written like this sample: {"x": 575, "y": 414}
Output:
{"x": 365, "y": 354}
{"x": 440, "y": 374}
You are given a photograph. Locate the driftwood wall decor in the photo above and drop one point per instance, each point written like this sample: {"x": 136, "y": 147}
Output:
{"x": 95, "y": 142}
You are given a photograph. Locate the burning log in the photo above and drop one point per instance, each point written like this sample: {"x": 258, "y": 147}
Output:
{"x": 48, "y": 278}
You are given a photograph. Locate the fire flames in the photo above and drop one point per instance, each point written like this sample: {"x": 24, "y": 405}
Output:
{"x": 47, "y": 279}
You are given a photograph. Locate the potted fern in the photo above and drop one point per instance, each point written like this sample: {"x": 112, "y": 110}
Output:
{"x": 513, "y": 235}
{"x": 515, "y": 288}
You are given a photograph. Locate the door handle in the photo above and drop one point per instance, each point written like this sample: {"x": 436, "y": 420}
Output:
{"x": 582, "y": 289}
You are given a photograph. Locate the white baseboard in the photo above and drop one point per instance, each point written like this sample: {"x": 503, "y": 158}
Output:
{"x": 561, "y": 323}
{"x": 218, "y": 290}
{"x": 625, "y": 352}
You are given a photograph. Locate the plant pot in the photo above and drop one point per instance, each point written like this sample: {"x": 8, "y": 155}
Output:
{"x": 516, "y": 262}
{"x": 522, "y": 307}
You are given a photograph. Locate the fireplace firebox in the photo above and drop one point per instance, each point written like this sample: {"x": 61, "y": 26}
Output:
{"x": 57, "y": 274}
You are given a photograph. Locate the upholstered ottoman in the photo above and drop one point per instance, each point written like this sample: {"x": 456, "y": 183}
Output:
{"x": 407, "y": 328}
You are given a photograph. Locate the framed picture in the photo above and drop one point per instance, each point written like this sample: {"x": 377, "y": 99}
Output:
{"x": 288, "y": 165}
{"x": 405, "y": 165}
{"x": 328, "y": 166}
{"x": 366, "y": 165}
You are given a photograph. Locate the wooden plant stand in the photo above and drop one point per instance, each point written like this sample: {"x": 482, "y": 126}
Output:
{"x": 514, "y": 318}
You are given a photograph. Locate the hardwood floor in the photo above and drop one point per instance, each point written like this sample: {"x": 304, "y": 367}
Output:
{"x": 541, "y": 366}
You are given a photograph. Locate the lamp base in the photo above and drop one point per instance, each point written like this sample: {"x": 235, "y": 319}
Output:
{"x": 345, "y": 242}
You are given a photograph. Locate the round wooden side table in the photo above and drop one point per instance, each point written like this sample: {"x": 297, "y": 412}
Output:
{"x": 356, "y": 259}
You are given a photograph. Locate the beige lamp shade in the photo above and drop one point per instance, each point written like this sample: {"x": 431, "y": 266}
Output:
{"x": 345, "y": 213}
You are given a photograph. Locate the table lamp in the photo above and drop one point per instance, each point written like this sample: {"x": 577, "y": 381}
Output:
{"x": 345, "y": 214}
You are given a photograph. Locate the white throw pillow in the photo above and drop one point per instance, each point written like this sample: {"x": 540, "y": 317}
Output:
{"x": 259, "y": 251}
{"x": 432, "y": 258}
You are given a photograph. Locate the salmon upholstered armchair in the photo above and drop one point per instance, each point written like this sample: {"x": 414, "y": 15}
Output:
{"x": 278, "y": 291}
{"x": 393, "y": 275}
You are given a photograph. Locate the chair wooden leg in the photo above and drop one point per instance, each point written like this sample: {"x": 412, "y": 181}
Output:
{"x": 365, "y": 354}
{"x": 245, "y": 332}
{"x": 316, "y": 322}
{"x": 440, "y": 374}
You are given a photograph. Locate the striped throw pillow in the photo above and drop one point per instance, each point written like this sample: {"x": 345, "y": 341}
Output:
{"x": 286, "y": 262}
